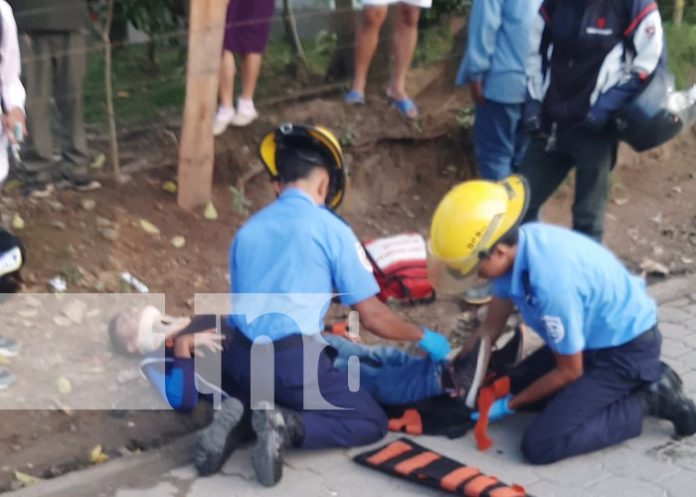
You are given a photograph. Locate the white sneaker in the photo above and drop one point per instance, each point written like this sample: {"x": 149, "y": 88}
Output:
{"x": 244, "y": 117}
{"x": 223, "y": 118}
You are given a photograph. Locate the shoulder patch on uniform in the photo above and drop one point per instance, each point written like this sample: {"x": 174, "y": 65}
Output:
{"x": 362, "y": 256}
{"x": 554, "y": 328}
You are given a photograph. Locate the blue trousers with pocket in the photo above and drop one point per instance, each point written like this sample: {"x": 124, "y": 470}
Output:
{"x": 390, "y": 375}
{"x": 600, "y": 409}
{"x": 297, "y": 370}
{"x": 499, "y": 141}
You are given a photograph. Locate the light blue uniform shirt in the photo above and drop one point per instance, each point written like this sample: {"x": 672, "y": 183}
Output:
{"x": 497, "y": 48}
{"x": 574, "y": 292}
{"x": 302, "y": 254}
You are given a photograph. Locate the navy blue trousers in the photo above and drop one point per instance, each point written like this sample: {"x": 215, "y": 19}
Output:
{"x": 600, "y": 409}
{"x": 341, "y": 418}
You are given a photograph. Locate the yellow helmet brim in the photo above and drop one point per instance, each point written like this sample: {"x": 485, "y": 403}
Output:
{"x": 267, "y": 150}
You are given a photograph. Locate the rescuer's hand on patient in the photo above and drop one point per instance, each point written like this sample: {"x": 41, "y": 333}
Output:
{"x": 189, "y": 345}
{"x": 499, "y": 410}
{"x": 435, "y": 344}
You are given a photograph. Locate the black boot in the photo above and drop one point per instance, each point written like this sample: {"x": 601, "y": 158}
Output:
{"x": 671, "y": 376}
{"x": 277, "y": 429}
{"x": 219, "y": 439}
{"x": 664, "y": 399}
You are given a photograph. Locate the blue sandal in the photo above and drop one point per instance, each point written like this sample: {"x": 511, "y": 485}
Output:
{"x": 354, "y": 98}
{"x": 406, "y": 107}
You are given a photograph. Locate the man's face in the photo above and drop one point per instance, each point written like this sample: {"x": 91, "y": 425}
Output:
{"x": 498, "y": 262}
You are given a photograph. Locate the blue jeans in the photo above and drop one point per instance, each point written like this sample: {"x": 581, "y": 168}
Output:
{"x": 499, "y": 142}
{"x": 389, "y": 375}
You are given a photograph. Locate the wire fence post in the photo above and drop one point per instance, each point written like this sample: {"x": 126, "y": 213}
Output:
{"x": 196, "y": 152}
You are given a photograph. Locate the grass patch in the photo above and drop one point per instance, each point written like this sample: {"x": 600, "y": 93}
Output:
{"x": 141, "y": 93}
{"x": 435, "y": 44}
{"x": 681, "y": 45}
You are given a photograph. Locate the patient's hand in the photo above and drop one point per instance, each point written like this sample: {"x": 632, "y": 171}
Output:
{"x": 187, "y": 346}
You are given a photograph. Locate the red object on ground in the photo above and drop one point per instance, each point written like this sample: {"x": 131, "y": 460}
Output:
{"x": 401, "y": 268}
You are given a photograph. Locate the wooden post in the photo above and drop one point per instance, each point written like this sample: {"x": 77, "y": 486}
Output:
{"x": 196, "y": 152}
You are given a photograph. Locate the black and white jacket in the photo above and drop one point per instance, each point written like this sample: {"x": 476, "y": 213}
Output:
{"x": 588, "y": 58}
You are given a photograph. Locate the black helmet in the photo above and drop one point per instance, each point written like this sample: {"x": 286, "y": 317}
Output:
{"x": 319, "y": 139}
{"x": 645, "y": 122}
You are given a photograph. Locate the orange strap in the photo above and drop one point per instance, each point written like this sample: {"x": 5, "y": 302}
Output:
{"x": 476, "y": 486}
{"x": 339, "y": 329}
{"x": 391, "y": 451}
{"x": 452, "y": 480}
{"x": 511, "y": 491}
{"x": 410, "y": 422}
{"x": 416, "y": 462}
{"x": 486, "y": 396}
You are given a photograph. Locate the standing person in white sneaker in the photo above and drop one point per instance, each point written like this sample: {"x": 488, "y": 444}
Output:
{"x": 247, "y": 29}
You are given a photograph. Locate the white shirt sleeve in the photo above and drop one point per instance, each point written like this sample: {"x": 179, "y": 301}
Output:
{"x": 13, "y": 93}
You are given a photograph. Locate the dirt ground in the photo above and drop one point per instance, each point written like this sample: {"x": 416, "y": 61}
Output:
{"x": 399, "y": 172}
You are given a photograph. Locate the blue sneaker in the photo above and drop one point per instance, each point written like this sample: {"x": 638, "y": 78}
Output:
{"x": 406, "y": 107}
{"x": 354, "y": 98}
{"x": 6, "y": 378}
{"x": 9, "y": 347}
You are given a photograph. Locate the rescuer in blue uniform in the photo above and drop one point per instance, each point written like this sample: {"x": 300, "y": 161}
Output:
{"x": 599, "y": 371}
{"x": 284, "y": 262}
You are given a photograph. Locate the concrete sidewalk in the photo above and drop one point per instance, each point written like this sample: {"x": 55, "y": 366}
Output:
{"x": 651, "y": 465}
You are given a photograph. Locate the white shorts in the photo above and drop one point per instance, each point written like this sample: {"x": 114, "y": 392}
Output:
{"x": 423, "y": 4}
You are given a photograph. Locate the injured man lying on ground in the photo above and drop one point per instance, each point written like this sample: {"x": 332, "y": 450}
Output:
{"x": 419, "y": 395}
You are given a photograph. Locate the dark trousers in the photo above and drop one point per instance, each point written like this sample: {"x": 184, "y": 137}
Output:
{"x": 340, "y": 418}
{"x": 600, "y": 409}
{"x": 592, "y": 155}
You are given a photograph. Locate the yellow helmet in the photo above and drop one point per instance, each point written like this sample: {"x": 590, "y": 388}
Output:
{"x": 471, "y": 218}
{"x": 295, "y": 135}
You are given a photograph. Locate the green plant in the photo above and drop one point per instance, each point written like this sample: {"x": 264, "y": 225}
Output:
{"x": 319, "y": 51}
{"x": 442, "y": 9}
{"x": 465, "y": 117}
{"x": 681, "y": 46}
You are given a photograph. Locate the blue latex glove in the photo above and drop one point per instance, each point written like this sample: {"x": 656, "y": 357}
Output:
{"x": 435, "y": 345}
{"x": 499, "y": 410}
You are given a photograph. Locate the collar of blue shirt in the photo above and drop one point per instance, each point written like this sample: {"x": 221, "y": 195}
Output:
{"x": 294, "y": 192}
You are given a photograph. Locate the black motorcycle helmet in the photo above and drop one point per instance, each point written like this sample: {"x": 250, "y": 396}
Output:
{"x": 645, "y": 122}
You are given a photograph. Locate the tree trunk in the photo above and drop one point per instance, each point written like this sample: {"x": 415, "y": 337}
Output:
{"x": 109, "y": 90}
{"x": 678, "y": 12}
{"x": 196, "y": 153}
